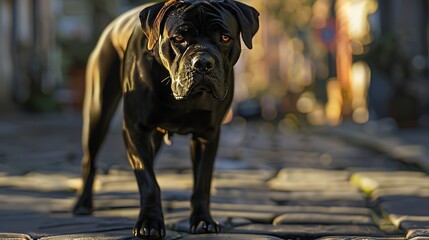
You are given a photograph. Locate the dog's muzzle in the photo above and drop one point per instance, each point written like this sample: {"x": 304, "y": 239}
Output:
{"x": 203, "y": 65}
{"x": 200, "y": 77}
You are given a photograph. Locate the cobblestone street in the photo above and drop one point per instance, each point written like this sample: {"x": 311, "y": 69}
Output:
{"x": 269, "y": 184}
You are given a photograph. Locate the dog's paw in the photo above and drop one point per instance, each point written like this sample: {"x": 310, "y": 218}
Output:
{"x": 149, "y": 229}
{"x": 205, "y": 226}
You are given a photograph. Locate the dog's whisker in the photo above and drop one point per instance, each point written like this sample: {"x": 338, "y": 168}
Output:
{"x": 166, "y": 79}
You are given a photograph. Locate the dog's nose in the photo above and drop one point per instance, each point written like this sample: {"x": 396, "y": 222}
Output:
{"x": 203, "y": 63}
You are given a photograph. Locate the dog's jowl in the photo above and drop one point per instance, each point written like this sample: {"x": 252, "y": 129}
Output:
{"x": 172, "y": 63}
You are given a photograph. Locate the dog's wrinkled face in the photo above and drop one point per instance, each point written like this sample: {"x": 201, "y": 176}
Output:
{"x": 199, "y": 42}
{"x": 199, "y": 48}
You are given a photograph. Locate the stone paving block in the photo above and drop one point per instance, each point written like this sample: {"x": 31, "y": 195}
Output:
{"x": 127, "y": 183}
{"x": 58, "y": 155}
{"x": 118, "y": 187}
{"x": 179, "y": 195}
{"x": 406, "y": 208}
{"x": 39, "y": 182}
{"x": 246, "y": 162}
{"x": 335, "y": 146}
{"x": 242, "y": 196}
{"x": 420, "y": 238}
{"x": 239, "y": 183}
{"x": 130, "y": 213}
{"x": 229, "y": 151}
{"x": 308, "y": 174}
{"x": 21, "y": 221}
{"x": 389, "y": 194}
{"x": 14, "y": 236}
{"x": 327, "y": 203}
{"x": 7, "y": 169}
{"x": 260, "y": 155}
{"x": 299, "y": 142}
{"x": 396, "y": 174}
{"x": 229, "y": 237}
{"x": 312, "y": 180}
{"x": 175, "y": 217}
{"x": 85, "y": 224}
{"x": 318, "y": 195}
{"x": 90, "y": 236}
{"x": 116, "y": 203}
{"x": 180, "y": 206}
{"x": 360, "y": 238}
{"x": 341, "y": 149}
{"x": 238, "y": 163}
{"x": 326, "y": 198}
{"x": 182, "y": 224}
{"x": 115, "y": 177}
{"x": 311, "y": 186}
{"x": 370, "y": 181}
{"x": 323, "y": 218}
{"x": 175, "y": 181}
{"x": 17, "y": 200}
{"x": 240, "y": 199}
{"x": 309, "y": 231}
{"x": 329, "y": 210}
{"x": 174, "y": 158}
{"x": 367, "y": 164}
{"x": 259, "y": 143}
{"x": 276, "y": 209}
{"x": 169, "y": 161}
{"x": 256, "y": 217}
{"x": 410, "y": 223}
{"x": 258, "y": 192}
{"x": 302, "y": 163}
{"x": 116, "y": 235}
{"x": 418, "y": 234}
{"x": 116, "y": 196}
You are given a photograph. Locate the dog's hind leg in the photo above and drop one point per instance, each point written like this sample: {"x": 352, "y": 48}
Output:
{"x": 102, "y": 95}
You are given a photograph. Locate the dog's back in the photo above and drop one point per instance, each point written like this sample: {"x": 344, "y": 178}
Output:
{"x": 105, "y": 62}
{"x": 120, "y": 30}
{"x": 116, "y": 35}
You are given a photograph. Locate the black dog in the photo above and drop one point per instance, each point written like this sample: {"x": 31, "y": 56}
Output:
{"x": 174, "y": 68}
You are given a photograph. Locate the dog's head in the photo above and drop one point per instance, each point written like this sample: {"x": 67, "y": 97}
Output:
{"x": 198, "y": 42}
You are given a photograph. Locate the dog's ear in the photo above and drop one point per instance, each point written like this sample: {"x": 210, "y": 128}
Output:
{"x": 248, "y": 18}
{"x": 152, "y": 21}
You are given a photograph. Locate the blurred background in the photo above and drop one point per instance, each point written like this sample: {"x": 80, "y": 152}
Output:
{"x": 314, "y": 62}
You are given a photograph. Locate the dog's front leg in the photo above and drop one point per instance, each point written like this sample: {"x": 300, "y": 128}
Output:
{"x": 142, "y": 144}
{"x": 203, "y": 152}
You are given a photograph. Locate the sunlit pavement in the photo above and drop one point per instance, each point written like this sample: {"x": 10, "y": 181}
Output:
{"x": 333, "y": 183}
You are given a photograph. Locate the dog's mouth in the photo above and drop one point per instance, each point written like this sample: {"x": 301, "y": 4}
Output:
{"x": 200, "y": 88}
{"x": 193, "y": 83}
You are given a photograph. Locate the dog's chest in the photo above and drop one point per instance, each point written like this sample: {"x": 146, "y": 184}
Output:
{"x": 184, "y": 122}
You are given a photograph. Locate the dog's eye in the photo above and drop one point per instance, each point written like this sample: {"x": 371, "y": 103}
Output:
{"x": 225, "y": 38}
{"x": 178, "y": 39}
